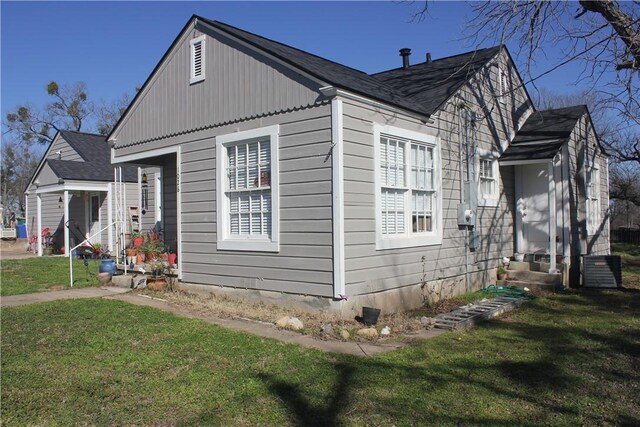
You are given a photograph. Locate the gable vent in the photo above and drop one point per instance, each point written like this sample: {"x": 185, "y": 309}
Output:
{"x": 197, "y": 59}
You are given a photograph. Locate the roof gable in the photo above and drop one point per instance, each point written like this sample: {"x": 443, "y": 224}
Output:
{"x": 432, "y": 83}
{"x": 328, "y": 71}
{"x": 91, "y": 147}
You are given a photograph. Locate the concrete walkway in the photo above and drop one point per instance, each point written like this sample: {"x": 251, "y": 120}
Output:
{"x": 13, "y": 300}
{"x": 262, "y": 329}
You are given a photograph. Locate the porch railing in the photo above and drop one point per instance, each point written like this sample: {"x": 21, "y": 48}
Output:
{"x": 87, "y": 240}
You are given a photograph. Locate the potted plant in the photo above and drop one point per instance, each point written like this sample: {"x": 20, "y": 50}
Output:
{"x": 502, "y": 273}
{"x": 48, "y": 249}
{"x": 137, "y": 239}
{"x": 157, "y": 281}
{"x": 152, "y": 248}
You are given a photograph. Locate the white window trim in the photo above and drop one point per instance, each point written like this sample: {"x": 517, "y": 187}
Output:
{"x": 408, "y": 239}
{"x": 593, "y": 221}
{"x": 224, "y": 240}
{"x": 192, "y": 43}
{"x": 493, "y": 156}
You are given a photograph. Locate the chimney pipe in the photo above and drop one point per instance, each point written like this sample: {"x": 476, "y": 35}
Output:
{"x": 429, "y": 58}
{"x": 405, "y": 52}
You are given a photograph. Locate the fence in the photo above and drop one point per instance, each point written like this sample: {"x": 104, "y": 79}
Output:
{"x": 626, "y": 235}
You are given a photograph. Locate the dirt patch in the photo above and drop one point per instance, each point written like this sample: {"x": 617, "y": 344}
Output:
{"x": 230, "y": 308}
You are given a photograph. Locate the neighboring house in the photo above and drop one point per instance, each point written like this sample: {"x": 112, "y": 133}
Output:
{"x": 285, "y": 172}
{"x": 75, "y": 183}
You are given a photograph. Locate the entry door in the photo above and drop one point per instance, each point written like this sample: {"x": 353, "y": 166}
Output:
{"x": 94, "y": 218}
{"x": 532, "y": 208}
{"x": 158, "y": 198}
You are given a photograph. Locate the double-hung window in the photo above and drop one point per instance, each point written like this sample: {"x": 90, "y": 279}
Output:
{"x": 247, "y": 190}
{"x": 593, "y": 197}
{"x": 407, "y": 188}
{"x": 488, "y": 174}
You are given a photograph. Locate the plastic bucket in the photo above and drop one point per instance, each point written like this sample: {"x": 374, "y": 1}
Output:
{"x": 370, "y": 315}
{"x": 21, "y": 231}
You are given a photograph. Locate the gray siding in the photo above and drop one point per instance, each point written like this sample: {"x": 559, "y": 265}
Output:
{"x": 304, "y": 263}
{"x": 581, "y": 144}
{"x": 239, "y": 85}
{"x": 67, "y": 153}
{"x": 370, "y": 270}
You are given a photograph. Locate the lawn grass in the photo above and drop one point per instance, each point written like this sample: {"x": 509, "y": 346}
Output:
{"x": 38, "y": 274}
{"x": 630, "y": 259}
{"x": 564, "y": 360}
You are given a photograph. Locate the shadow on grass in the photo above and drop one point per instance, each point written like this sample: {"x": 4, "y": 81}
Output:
{"x": 419, "y": 386}
{"x": 301, "y": 410}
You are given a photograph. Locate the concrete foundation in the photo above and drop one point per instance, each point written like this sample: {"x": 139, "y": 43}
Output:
{"x": 390, "y": 301}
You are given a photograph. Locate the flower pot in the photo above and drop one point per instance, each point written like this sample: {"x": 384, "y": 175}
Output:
{"x": 47, "y": 251}
{"x": 108, "y": 266}
{"x": 104, "y": 278}
{"x": 172, "y": 259}
{"x": 518, "y": 257}
{"x": 151, "y": 256}
{"x": 156, "y": 283}
{"x": 138, "y": 241}
{"x": 140, "y": 258}
{"x": 132, "y": 252}
{"x": 370, "y": 315}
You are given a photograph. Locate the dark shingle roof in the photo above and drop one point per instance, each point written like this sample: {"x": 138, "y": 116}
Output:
{"x": 323, "y": 69}
{"x": 89, "y": 171}
{"x": 430, "y": 84}
{"x": 544, "y": 133}
{"x": 91, "y": 147}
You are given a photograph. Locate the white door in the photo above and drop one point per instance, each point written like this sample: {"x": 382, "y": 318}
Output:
{"x": 532, "y": 208}
{"x": 93, "y": 217}
{"x": 158, "y": 197}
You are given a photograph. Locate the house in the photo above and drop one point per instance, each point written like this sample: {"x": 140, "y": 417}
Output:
{"x": 74, "y": 184}
{"x": 288, "y": 175}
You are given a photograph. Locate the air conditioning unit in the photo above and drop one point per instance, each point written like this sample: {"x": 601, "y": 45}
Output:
{"x": 601, "y": 271}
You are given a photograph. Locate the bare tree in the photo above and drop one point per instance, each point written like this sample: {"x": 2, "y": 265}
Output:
{"x": 601, "y": 35}
{"x": 17, "y": 167}
{"x": 108, "y": 113}
{"x": 68, "y": 111}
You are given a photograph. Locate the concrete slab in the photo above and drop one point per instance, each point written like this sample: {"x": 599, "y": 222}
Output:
{"x": 14, "y": 300}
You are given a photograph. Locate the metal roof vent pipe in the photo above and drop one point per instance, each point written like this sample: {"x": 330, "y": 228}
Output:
{"x": 429, "y": 60}
{"x": 405, "y": 52}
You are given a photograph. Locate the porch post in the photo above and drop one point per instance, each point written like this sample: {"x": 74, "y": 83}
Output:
{"x": 552, "y": 219}
{"x": 39, "y": 222}
{"x": 110, "y": 220}
{"x": 67, "y": 246}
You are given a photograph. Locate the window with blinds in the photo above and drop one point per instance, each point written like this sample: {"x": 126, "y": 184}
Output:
{"x": 593, "y": 194}
{"x": 247, "y": 188}
{"x": 407, "y": 198}
{"x": 197, "y": 59}
{"x": 488, "y": 184}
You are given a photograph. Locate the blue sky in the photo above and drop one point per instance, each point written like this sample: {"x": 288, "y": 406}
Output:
{"x": 113, "y": 46}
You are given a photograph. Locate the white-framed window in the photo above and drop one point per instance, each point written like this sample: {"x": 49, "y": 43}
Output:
{"x": 247, "y": 190}
{"x": 488, "y": 178}
{"x": 197, "y": 49}
{"x": 408, "y": 195}
{"x": 593, "y": 198}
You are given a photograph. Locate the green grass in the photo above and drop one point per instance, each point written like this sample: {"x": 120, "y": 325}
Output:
{"x": 31, "y": 275}
{"x": 630, "y": 259}
{"x": 563, "y": 360}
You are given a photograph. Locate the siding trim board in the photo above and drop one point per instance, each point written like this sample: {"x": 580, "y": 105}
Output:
{"x": 337, "y": 164}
